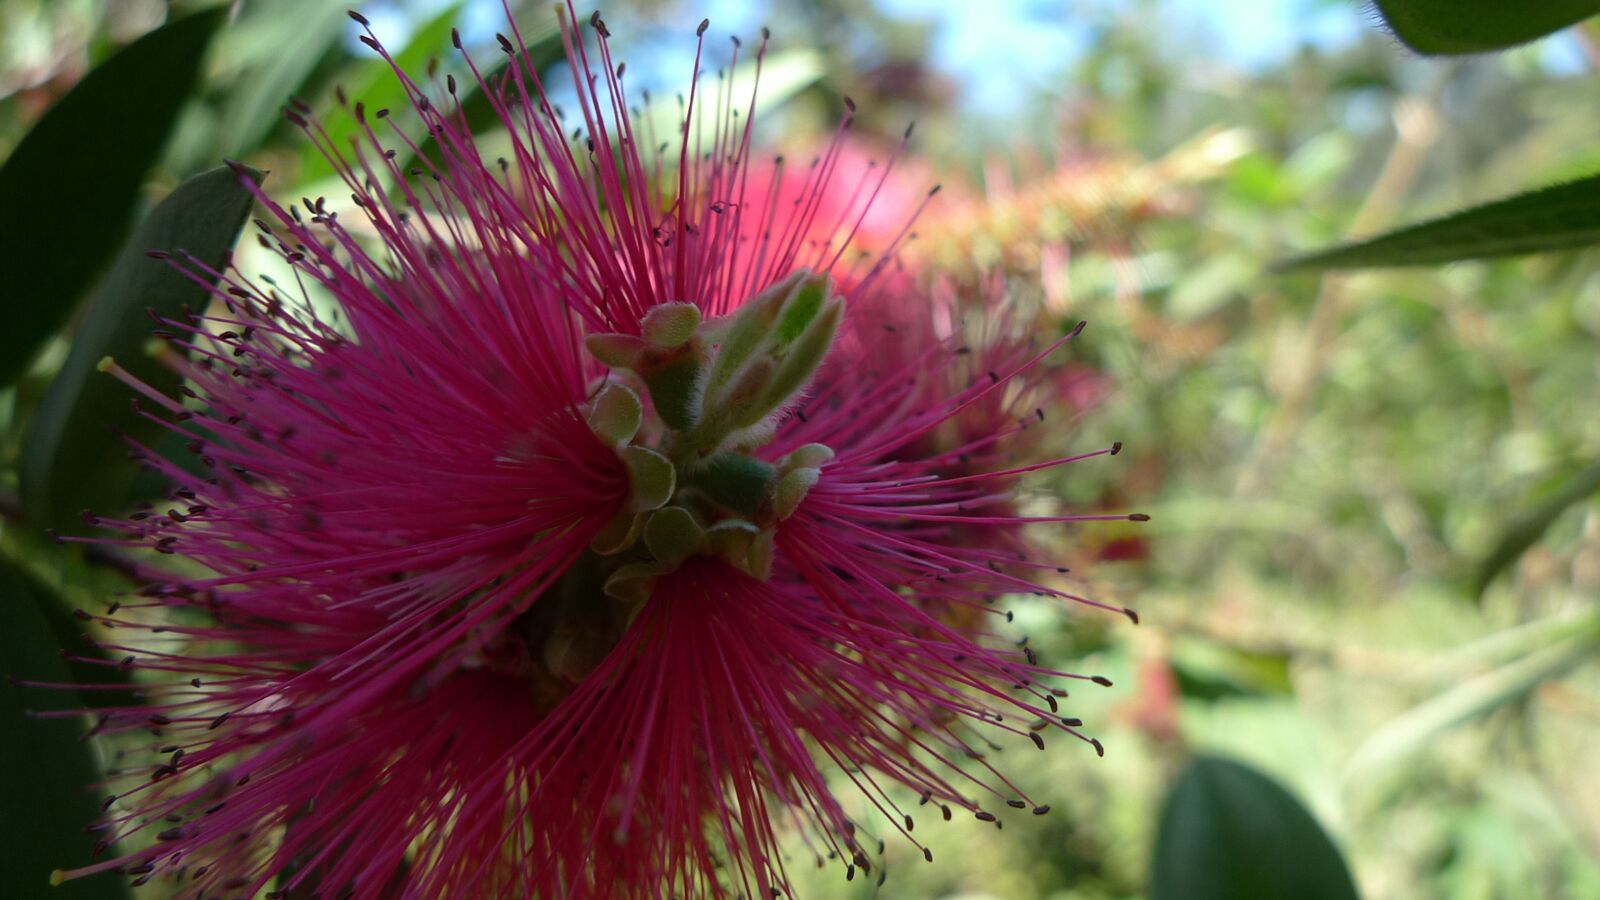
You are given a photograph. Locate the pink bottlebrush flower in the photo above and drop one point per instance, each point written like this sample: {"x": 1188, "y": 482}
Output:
{"x": 583, "y": 543}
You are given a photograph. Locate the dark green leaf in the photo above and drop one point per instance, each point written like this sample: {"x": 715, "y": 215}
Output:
{"x": 69, "y": 188}
{"x": 48, "y": 769}
{"x": 1229, "y": 831}
{"x": 1560, "y": 217}
{"x": 1531, "y": 525}
{"x": 1450, "y": 27}
{"x": 72, "y": 458}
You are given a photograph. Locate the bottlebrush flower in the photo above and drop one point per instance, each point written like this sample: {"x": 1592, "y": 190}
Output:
{"x": 579, "y": 547}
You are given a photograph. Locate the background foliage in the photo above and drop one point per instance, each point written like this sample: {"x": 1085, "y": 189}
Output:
{"x": 1374, "y": 563}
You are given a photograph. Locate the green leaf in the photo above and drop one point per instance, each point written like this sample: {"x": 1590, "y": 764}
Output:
{"x": 1559, "y": 217}
{"x": 1531, "y": 525}
{"x": 1228, "y": 831}
{"x": 373, "y": 83}
{"x": 1378, "y": 760}
{"x": 300, "y": 33}
{"x": 49, "y": 770}
{"x": 544, "y": 50}
{"x": 71, "y": 456}
{"x": 1452, "y": 27}
{"x": 69, "y": 188}
{"x": 783, "y": 75}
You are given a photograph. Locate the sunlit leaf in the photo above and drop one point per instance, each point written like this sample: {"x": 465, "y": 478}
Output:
{"x": 69, "y": 188}
{"x": 1560, "y": 217}
{"x": 299, "y": 34}
{"x": 45, "y": 794}
{"x": 1228, "y": 832}
{"x": 1528, "y": 527}
{"x": 1450, "y": 27}
{"x": 544, "y": 49}
{"x": 373, "y": 83}
{"x": 72, "y": 458}
{"x": 1378, "y": 759}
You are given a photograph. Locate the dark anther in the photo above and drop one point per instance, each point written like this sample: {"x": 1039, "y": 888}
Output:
{"x": 704, "y": 24}
{"x": 1016, "y": 804}
{"x": 1101, "y": 680}
{"x": 1098, "y": 748}
{"x": 1071, "y": 722}
{"x": 984, "y": 816}
{"x": 1037, "y": 742}
{"x": 1138, "y": 517}
{"x": 1041, "y": 810}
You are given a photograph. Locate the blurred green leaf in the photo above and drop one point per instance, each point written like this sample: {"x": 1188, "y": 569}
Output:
{"x": 1527, "y": 528}
{"x": 1451, "y": 27}
{"x": 49, "y": 769}
{"x": 68, "y": 190}
{"x": 1208, "y": 670}
{"x": 373, "y": 83}
{"x": 1559, "y": 217}
{"x": 1229, "y": 832}
{"x": 544, "y": 50}
{"x": 1377, "y": 760}
{"x": 71, "y": 457}
{"x": 300, "y": 34}
{"x": 783, "y": 75}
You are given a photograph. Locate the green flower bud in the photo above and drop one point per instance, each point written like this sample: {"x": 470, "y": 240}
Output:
{"x": 747, "y": 329}
{"x": 619, "y": 351}
{"x": 632, "y": 584}
{"x": 759, "y": 561}
{"x": 801, "y": 362}
{"x": 799, "y": 310}
{"x": 619, "y": 533}
{"x": 673, "y": 535}
{"x": 810, "y": 456}
{"x": 670, "y": 324}
{"x": 651, "y": 477}
{"x": 616, "y": 415}
{"x": 792, "y": 488}
{"x": 741, "y": 483}
{"x": 675, "y": 389}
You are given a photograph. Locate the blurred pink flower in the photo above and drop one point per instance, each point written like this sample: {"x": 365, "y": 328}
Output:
{"x": 588, "y": 536}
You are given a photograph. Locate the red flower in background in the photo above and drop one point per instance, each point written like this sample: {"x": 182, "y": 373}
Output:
{"x": 619, "y": 504}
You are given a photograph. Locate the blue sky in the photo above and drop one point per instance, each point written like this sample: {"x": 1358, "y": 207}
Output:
{"x": 1000, "y": 52}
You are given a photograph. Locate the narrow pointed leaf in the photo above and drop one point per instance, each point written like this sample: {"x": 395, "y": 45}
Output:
{"x": 1453, "y": 27}
{"x": 45, "y": 793}
{"x": 544, "y": 50}
{"x": 1228, "y": 831}
{"x": 1380, "y": 759}
{"x": 1527, "y": 528}
{"x": 1559, "y": 217}
{"x": 372, "y": 82}
{"x": 72, "y": 457}
{"x": 303, "y": 33}
{"x": 69, "y": 188}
